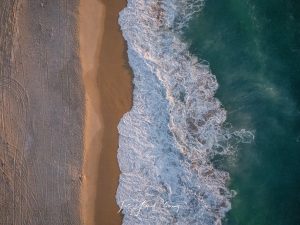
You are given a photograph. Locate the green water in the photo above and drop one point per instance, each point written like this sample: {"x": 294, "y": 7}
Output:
{"x": 253, "y": 47}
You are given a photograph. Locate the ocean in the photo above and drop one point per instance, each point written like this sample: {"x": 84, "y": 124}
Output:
{"x": 213, "y": 136}
{"x": 253, "y": 48}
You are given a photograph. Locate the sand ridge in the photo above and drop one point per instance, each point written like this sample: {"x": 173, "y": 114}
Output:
{"x": 91, "y": 22}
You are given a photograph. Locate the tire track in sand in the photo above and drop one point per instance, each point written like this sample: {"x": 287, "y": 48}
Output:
{"x": 16, "y": 197}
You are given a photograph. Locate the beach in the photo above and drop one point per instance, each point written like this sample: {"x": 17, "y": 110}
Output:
{"x": 107, "y": 84}
{"x": 210, "y": 134}
{"x": 64, "y": 85}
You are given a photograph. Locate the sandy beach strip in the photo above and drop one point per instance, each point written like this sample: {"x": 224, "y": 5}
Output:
{"x": 108, "y": 90}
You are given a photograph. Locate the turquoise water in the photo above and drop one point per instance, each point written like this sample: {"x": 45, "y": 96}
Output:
{"x": 253, "y": 48}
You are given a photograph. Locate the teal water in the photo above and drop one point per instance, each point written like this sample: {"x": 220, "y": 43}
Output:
{"x": 253, "y": 47}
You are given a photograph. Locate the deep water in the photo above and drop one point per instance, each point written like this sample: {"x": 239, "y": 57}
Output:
{"x": 253, "y": 48}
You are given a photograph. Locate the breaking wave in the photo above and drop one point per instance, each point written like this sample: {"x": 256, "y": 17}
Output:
{"x": 176, "y": 125}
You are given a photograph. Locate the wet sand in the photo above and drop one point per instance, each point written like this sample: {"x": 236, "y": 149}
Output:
{"x": 107, "y": 81}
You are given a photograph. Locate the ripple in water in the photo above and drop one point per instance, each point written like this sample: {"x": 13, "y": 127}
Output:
{"x": 176, "y": 125}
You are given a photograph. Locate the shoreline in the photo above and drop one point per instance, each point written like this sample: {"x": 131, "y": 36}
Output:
{"x": 108, "y": 91}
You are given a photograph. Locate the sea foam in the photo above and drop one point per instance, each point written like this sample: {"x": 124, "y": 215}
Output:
{"x": 176, "y": 125}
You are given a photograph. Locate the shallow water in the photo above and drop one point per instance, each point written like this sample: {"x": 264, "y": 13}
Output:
{"x": 253, "y": 49}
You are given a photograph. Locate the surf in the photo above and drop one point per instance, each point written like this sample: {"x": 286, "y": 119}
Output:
{"x": 176, "y": 125}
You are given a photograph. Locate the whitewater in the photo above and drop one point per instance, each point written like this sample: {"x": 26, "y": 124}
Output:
{"x": 175, "y": 127}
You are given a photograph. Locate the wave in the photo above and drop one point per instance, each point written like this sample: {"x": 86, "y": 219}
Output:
{"x": 176, "y": 125}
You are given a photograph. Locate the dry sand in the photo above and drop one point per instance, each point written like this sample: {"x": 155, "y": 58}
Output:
{"x": 107, "y": 82}
{"x": 41, "y": 113}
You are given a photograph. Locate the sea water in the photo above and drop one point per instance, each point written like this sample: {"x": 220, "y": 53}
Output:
{"x": 253, "y": 48}
{"x": 176, "y": 130}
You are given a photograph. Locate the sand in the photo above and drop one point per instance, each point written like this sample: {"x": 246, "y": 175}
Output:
{"x": 59, "y": 111}
{"x": 107, "y": 83}
{"x": 41, "y": 113}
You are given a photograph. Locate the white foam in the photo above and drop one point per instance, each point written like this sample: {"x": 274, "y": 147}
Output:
{"x": 175, "y": 125}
